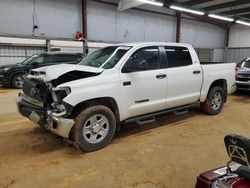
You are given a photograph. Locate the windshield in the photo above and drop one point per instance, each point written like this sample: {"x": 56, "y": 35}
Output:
{"x": 105, "y": 58}
{"x": 30, "y": 59}
{"x": 245, "y": 63}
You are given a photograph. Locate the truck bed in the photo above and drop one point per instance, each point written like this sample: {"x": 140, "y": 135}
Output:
{"x": 212, "y": 71}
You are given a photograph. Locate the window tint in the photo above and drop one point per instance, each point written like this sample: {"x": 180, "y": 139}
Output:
{"x": 47, "y": 58}
{"x": 144, "y": 59}
{"x": 43, "y": 58}
{"x": 60, "y": 58}
{"x": 178, "y": 56}
{"x": 244, "y": 63}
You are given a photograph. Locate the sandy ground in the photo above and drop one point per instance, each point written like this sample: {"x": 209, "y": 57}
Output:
{"x": 169, "y": 153}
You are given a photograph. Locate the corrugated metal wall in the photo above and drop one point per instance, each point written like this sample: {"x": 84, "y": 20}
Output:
{"x": 239, "y": 36}
{"x": 230, "y": 54}
{"x": 16, "y": 54}
{"x": 218, "y": 55}
{"x": 205, "y": 55}
{"x": 202, "y": 35}
{"x": 107, "y": 24}
{"x": 55, "y": 18}
{"x": 236, "y": 54}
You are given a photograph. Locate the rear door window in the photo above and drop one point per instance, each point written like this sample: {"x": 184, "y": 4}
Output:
{"x": 43, "y": 58}
{"x": 178, "y": 56}
{"x": 61, "y": 58}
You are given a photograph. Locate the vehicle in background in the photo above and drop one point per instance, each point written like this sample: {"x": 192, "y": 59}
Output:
{"x": 243, "y": 75}
{"x": 119, "y": 84}
{"x": 232, "y": 175}
{"x": 12, "y": 75}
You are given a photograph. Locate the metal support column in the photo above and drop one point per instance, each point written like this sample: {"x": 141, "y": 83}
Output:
{"x": 178, "y": 27}
{"x": 84, "y": 25}
{"x": 48, "y": 46}
{"x": 227, "y": 36}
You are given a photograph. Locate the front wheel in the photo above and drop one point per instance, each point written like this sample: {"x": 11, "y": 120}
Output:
{"x": 214, "y": 102}
{"x": 17, "y": 81}
{"x": 94, "y": 128}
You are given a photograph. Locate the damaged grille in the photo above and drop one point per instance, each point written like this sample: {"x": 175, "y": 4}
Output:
{"x": 37, "y": 73}
{"x": 37, "y": 90}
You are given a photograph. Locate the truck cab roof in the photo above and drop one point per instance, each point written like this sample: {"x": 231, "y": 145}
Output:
{"x": 138, "y": 44}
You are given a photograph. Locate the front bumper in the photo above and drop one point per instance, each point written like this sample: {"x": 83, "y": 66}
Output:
{"x": 243, "y": 85}
{"x": 50, "y": 120}
{"x": 4, "y": 80}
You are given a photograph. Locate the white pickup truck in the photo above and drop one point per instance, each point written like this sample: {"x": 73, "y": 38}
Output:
{"x": 132, "y": 82}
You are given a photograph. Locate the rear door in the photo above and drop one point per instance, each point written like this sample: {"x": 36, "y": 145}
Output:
{"x": 183, "y": 76}
{"x": 143, "y": 88}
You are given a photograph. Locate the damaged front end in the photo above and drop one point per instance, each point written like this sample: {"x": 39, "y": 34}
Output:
{"x": 41, "y": 100}
{"x": 43, "y": 105}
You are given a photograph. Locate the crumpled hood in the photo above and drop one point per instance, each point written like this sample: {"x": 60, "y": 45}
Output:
{"x": 10, "y": 66}
{"x": 53, "y": 72}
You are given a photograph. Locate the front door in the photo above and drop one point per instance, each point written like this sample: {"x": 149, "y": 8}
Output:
{"x": 143, "y": 82}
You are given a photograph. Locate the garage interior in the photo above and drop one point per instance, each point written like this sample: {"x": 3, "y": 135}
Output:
{"x": 168, "y": 153}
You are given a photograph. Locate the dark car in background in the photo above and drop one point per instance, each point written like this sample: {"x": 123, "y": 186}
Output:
{"x": 12, "y": 75}
{"x": 243, "y": 75}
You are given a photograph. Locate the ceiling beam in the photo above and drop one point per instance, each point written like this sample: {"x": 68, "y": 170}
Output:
{"x": 247, "y": 16}
{"x": 236, "y": 11}
{"x": 226, "y": 5}
{"x": 195, "y": 2}
{"x": 206, "y": 19}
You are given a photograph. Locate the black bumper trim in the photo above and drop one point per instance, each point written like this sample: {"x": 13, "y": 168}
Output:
{"x": 69, "y": 108}
{"x": 25, "y": 109}
{"x": 243, "y": 86}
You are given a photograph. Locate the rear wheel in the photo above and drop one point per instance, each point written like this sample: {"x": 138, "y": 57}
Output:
{"x": 214, "y": 102}
{"x": 17, "y": 81}
{"x": 94, "y": 128}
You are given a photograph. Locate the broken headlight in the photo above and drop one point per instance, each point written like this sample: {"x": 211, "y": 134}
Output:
{"x": 61, "y": 93}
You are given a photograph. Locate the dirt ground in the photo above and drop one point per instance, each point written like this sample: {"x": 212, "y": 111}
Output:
{"x": 169, "y": 153}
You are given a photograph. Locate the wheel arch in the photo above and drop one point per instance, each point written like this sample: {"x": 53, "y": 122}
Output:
{"x": 106, "y": 101}
{"x": 14, "y": 74}
{"x": 220, "y": 83}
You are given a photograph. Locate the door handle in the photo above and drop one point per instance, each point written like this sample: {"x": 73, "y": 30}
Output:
{"x": 128, "y": 83}
{"x": 196, "y": 72}
{"x": 161, "y": 76}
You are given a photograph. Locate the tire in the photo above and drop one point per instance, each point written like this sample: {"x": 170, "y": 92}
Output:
{"x": 214, "y": 102}
{"x": 17, "y": 81}
{"x": 94, "y": 128}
